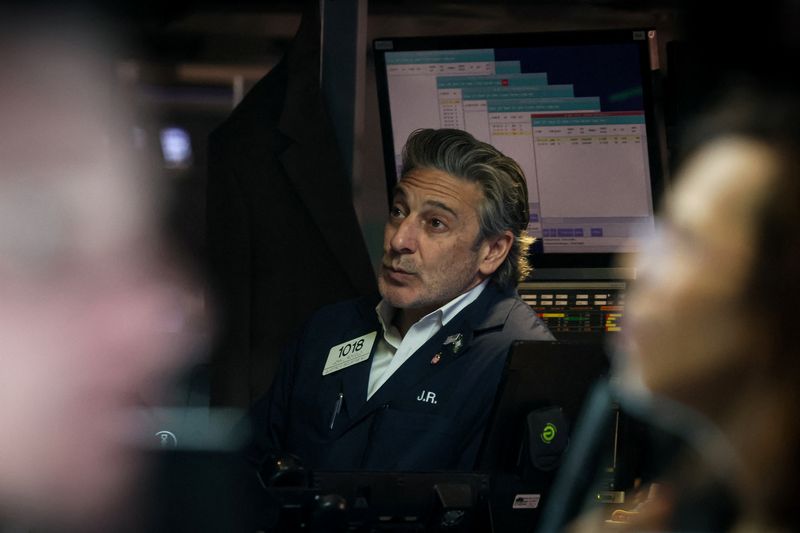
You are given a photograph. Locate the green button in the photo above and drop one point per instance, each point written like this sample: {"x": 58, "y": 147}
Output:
{"x": 548, "y": 433}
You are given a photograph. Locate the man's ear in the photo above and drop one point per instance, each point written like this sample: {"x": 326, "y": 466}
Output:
{"x": 494, "y": 251}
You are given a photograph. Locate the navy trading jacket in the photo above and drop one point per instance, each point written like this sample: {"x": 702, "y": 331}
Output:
{"x": 429, "y": 415}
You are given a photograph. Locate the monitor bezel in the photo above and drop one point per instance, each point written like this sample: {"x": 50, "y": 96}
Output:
{"x": 552, "y": 264}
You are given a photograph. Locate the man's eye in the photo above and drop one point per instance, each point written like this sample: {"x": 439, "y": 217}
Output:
{"x": 436, "y": 223}
{"x": 395, "y": 212}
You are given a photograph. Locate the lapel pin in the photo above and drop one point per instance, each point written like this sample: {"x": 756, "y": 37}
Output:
{"x": 436, "y": 358}
{"x": 456, "y": 342}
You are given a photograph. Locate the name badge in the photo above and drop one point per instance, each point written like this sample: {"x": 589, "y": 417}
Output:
{"x": 349, "y": 353}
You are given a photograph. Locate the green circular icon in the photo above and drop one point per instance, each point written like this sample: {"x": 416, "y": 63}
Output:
{"x": 548, "y": 433}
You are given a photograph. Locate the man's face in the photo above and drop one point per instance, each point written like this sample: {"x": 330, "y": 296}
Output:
{"x": 429, "y": 252}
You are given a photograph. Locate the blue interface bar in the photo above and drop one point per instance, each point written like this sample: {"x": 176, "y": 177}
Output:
{"x": 588, "y": 121}
{"x": 439, "y": 56}
{"x": 533, "y": 105}
{"x": 506, "y": 80}
{"x": 543, "y": 91}
{"x": 507, "y": 67}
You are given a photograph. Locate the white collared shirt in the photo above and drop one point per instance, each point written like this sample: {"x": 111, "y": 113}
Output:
{"x": 393, "y": 349}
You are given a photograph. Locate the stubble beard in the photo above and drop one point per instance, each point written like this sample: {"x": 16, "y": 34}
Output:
{"x": 432, "y": 291}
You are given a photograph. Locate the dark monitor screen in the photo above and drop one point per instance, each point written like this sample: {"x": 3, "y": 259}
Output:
{"x": 574, "y": 109}
{"x": 533, "y": 421}
{"x": 540, "y": 375}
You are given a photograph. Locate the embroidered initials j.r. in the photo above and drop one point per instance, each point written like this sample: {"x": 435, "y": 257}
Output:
{"x": 427, "y": 396}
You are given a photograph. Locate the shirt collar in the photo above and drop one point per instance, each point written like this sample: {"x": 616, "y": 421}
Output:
{"x": 444, "y": 314}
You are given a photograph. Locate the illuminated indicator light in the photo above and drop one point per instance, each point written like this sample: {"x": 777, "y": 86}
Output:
{"x": 553, "y": 315}
{"x": 614, "y": 329}
{"x": 548, "y": 433}
{"x": 176, "y": 146}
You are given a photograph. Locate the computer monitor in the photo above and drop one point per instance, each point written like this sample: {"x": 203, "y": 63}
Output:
{"x": 574, "y": 109}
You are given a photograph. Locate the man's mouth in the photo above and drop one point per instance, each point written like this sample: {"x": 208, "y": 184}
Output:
{"x": 397, "y": 273}
{"x": 398, "y": 269}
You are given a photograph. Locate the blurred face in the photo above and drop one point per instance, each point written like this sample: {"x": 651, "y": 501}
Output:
{"x": 85, "y": 346}
{"x": 687, "y": 328}
{"x": 429, "y": 251}
{"x": 91, "y": 310}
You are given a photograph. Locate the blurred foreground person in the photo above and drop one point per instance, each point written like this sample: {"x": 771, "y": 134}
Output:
{"x": 711, "y": 322}
{"x": 90, "y": 309}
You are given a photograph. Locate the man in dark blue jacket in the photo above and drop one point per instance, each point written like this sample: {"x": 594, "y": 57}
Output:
{"x": 407, "y": 382}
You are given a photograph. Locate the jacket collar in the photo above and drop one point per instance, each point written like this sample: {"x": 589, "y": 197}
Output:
{"x": 489, "y": 311}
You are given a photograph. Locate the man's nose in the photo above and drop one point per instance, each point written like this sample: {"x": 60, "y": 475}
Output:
{"x": 402, "y": 236}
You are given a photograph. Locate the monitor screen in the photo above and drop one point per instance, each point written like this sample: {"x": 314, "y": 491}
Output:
{"x": 574, "y": 109}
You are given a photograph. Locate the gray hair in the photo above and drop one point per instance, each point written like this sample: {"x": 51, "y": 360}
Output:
{"x": 505, "y": 203}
